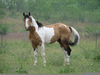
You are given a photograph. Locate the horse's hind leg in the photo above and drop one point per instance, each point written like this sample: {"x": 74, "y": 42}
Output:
{"x": 66, "y": 56}
{"x": 66, "y": 50}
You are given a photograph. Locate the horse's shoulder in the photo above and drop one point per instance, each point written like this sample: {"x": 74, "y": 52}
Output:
{"x": 35, "y": 38}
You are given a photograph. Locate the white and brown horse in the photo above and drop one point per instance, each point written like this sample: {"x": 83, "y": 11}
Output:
{"x": 46, "y": 34}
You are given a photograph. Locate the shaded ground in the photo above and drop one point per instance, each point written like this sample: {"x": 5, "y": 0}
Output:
{"x": 16, "y": 36}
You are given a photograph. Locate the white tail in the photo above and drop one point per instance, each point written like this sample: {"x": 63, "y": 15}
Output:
{"x": 76, "y": 36}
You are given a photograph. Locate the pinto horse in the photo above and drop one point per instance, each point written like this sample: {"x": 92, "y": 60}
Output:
{"x": 46, "y": 34}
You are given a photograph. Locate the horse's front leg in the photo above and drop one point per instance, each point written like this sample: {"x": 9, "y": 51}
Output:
{"x": 43, "y": 54}
{"x": 35, "y": 55}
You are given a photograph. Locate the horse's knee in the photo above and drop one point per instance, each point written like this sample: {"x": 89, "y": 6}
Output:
{"x": 43, "y": 54}
{"x": 35, "y": 52}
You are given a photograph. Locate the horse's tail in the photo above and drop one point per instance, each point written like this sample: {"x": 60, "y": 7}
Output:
{"x": 76, "y": 37}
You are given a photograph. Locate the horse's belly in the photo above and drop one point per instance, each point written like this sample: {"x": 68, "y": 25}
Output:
{"x": 48, "y": 40}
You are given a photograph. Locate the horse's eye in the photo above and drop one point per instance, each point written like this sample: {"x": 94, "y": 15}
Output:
{"x": 29, "y": 19}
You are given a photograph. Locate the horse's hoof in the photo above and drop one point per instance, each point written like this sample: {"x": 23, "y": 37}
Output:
{"x": 34, "y": 65}
{"x": 66, "y": 64}
{"x": 44, "y": 65}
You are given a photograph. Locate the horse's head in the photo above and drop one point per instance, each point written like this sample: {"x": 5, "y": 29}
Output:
{"x": 27, "y": 21}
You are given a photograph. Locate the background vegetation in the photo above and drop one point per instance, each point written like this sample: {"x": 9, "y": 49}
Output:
{"x": 56, "y": 10}
{"x": 17, "y": 56}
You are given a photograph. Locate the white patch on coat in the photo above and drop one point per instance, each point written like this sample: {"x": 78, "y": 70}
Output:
{"x": 49, "y": 33}
{"x": 27, "y": 23}
{"x": 63, "y": 25}
{"x": 45, "y": 34}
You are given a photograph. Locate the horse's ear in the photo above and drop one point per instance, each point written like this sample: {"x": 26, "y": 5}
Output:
{"x": 29, "y": 14}
{"x": 23, "y": 14}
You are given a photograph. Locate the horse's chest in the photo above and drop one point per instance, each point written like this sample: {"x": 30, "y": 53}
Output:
{"x": 35, "y": 38}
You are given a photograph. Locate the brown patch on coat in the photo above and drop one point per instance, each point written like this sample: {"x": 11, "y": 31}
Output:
{"x": 34, "y": 37}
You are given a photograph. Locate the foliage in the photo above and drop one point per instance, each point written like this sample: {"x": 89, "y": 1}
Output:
{"x": 97, "y": 57}
{"x": 13, "y": 14}
{"x": 3, "y": 29}
{"x": 2, "y": 13}
{"x": 93, "y": 30}
{"x": 20, "y": 71}
{"x": 57, "y": 10}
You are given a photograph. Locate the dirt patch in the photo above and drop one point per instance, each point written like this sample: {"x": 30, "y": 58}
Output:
{"x": 25, "y": 36}
{"x": 16, "y": 36}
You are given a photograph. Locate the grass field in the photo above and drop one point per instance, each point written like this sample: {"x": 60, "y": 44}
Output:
{"x": 17, "y": 57}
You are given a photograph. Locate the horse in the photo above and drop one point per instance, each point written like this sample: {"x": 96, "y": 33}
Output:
{"x": 40, "y": 34}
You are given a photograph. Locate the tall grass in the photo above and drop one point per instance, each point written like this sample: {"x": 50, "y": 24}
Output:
{"x": 18, "y": 57}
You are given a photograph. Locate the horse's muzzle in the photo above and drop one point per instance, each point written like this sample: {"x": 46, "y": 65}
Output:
{"x": 27, "y": 28}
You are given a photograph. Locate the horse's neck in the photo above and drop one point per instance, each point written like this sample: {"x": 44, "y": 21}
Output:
{"x": 33, "y": 27}
{"x": 34, "y": 24}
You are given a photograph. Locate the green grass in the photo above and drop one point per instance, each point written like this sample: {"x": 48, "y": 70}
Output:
{"x": 18, "y": 57}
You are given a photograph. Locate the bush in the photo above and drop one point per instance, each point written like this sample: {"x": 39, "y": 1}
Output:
{"x": 93, "y": 30}
{"x": 2, "y": 13}
{"x": 97, "y": 57}
{"x": 3, "y": 29}
{"x": 13, "y": 14}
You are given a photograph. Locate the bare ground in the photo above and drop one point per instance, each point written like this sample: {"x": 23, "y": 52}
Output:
{"x": 25, "y": 36}
{"x": 16, "y": 36}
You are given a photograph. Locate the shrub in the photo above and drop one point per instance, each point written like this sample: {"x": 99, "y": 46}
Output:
{"x": 3, "y": 29}
{"x": 97, "y": 57}
{"x": 12, "y": 14}
{"x": 2, "y": 12}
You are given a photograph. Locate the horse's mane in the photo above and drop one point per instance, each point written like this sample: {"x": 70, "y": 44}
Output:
{"x": 39, "y": 24}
